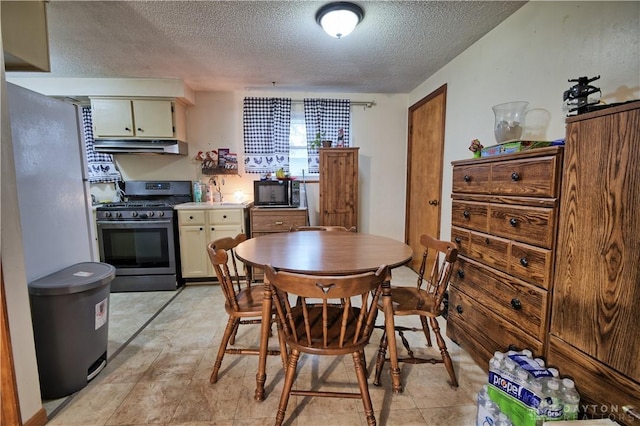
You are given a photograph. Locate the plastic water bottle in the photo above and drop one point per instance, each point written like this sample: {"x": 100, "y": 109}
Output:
{"x": 554, "y": 398}
{"x": 540, "y": 362}
{"x": 502, "y": 420}
{"x": 571, "y": 399}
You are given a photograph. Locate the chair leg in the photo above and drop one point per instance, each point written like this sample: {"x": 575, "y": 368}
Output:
{"x": 382, "y": 354}
{"x": 358, "y": 362}
{"x": 425, "y": 329}
{"x": 444, "y": 352}
{"x": 292, "y": 365}
{"x": 232, "y": 324}
{"x": 283, "y": 345}
{"x": 232, "y": 340}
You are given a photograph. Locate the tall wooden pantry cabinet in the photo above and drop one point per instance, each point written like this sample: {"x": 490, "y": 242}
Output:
{"x": 595, "y": 321}
{"x": 339, "y": 187}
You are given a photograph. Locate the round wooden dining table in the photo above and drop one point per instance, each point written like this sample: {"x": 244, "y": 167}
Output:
{"x": 324, "y": 253}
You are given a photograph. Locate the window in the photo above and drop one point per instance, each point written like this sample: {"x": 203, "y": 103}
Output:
{"x": 298, "y": 143}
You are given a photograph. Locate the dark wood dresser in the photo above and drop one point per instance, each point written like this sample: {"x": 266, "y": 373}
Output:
{"x": 504, "y": 220}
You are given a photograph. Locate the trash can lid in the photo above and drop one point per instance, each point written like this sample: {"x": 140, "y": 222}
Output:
{"x": 74, "y": 279}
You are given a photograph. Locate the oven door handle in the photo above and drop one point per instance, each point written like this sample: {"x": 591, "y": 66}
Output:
{"x": 118, "y": 223}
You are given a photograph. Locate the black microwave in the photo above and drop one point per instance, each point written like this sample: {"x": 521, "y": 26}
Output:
{"x": 276, "y": 193}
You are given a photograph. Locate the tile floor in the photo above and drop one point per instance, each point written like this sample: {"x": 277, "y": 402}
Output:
{"x": 161, "y": 377}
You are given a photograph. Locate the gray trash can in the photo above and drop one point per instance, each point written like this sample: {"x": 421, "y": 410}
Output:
{"x": 70, "y": 314}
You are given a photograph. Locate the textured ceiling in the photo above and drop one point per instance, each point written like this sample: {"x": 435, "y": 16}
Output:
{"x": 256, "y": 45}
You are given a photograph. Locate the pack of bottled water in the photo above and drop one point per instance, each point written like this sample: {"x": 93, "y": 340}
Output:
{"x": 524, "y": 391}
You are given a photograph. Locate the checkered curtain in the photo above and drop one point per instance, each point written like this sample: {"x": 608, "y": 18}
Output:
{"x": 267, "y": 123}
{"x": 100, "y": 166}
{"x": 329, "y": 117}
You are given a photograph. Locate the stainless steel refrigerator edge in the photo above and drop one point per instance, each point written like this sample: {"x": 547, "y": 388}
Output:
{"x": 53, "y": 194}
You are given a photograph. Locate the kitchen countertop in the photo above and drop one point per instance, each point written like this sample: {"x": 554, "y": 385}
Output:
{"x": 213, "y": 205}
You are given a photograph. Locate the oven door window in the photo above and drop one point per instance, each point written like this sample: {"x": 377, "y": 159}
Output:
{"x": 147, "y": 247}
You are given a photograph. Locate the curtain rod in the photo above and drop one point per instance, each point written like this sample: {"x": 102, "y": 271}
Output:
{"x": 366, "y": 104}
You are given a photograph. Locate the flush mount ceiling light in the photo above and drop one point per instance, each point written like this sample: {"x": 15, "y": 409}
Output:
{"x": 340, "y": 18}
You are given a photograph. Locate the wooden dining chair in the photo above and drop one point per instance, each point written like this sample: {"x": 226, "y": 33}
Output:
{"x": 322, "y": 228}
{"x": 424, "y": 301}
{"x": 243, "y": 301}
{"x": 319, "y": 326}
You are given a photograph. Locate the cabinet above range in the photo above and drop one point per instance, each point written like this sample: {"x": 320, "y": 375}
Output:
{"x": 122, "y": 125}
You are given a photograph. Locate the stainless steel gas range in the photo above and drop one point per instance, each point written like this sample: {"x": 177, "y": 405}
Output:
{"x": 139, "y": 236}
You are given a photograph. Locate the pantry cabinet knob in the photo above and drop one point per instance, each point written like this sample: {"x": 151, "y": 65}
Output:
{"x": 524, "y": 262}
{"x": 190, "y": 217}
{"x": 457, "y": 240}
{"x": 224, "y": 216}
{"x": 466, "y": 214}
{"x": 140, "y": 130}
{"x": 515, "y": 176}
{"x": 461, "y": 273}
{"x": 467, "y": 178}
{"x": 516, "y": 304}
{"x": 433, "y": 202}
{"x": 202, "y": 229}
{"x": 513, "y": 221}
{"x": 459, "y": 309}
{"x": 127, "y": 129}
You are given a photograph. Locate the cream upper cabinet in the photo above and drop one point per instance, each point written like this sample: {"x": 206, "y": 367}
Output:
{"x": 138, "y": 118}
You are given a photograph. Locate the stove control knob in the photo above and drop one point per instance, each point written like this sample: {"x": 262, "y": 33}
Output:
{"x": 161, "y": 214}
{"x": 107, "y": 214}
{"x": 134, "y": 214}
{"x": 150, "y": 214}
{"x": 118, "y": 214}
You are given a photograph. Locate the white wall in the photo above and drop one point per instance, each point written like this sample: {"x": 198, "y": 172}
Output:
{"x": 530, "y": 56}
{"x": 215, "y": 121}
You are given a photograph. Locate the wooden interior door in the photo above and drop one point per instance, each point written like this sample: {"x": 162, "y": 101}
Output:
{"x": 424, "y": 170}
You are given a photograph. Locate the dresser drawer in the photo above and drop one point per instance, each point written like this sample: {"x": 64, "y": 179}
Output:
{"x": 483, "y": 328}
{"x": 469, "y": 214}
{"x": 472, "y": 179}
{"x": 191, "y": 217}
{"x": 536, "y": 177}
{"x": 277, "y": 221}
{"x": 461, "y": 237}
{"x": 532, "y": 264}
{"x": 519, "y": 303}
{"x": 225, "y": 217}
{"x": 489, "y": 250}
{"x": 533, "y": 225}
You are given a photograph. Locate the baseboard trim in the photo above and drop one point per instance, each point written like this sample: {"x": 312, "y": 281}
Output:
{"x": 38, "y": 419}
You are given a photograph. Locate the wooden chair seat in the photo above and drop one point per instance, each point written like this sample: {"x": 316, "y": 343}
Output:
{"x": 425, "y": 301}
{"x": 249, "y": 302}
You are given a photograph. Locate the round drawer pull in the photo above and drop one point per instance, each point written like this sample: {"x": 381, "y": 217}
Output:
{"x": 515, "y": 177}
{"x": 201, "y": 229}
{"x": 466, "y": 214}
{"x": 524, "y": 262}
{"x": 140, "y": 130}
{"x": 516, "y": 304}
{"x": 224, "y": 217}
{"x": 513, "y": 221}
{"x": 190, "y": 217}
{"x": 467, "y": 178}
{"x": 127, "y": 129}
{"x": 457, "y": 240}
{"x": 460, "y": 273}
{"x": 459, "y": 309}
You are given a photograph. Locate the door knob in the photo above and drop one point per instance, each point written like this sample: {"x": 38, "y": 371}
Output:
{"x": 433, "y": 202}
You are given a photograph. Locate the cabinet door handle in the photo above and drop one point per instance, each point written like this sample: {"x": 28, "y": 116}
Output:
{"x": 467, "y": 178}
{"x": 202, "y": 229}
{"x": 433, "y": 202}
{"x": 224, "y": 216}
{"x": 279, "y": 222}
{"x": 457, "y": 240}
{"x": 459, "y": 309}
{"x": 466, "y": 214}
{"x": 516, "y": 304}
{"x": 127, "y": 129}
{"x": 524, "y": 262}
{"x": 460, "y": 273}
{"x": 140, "y": 130}
{"x": 515, "y": 176}
{"x": 190, "y": 217}
{"x": 513, "y": 221}
{"x": 213, "y": 229}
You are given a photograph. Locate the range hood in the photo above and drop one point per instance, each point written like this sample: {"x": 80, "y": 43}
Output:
{"x": 137, "y": 146}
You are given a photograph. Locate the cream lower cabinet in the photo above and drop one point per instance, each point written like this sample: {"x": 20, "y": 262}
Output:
{"x": 197, "y": 228}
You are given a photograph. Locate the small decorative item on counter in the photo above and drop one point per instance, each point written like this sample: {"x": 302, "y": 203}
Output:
{"x": 476, "y": 148}
{"x": 340, "y": 142}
